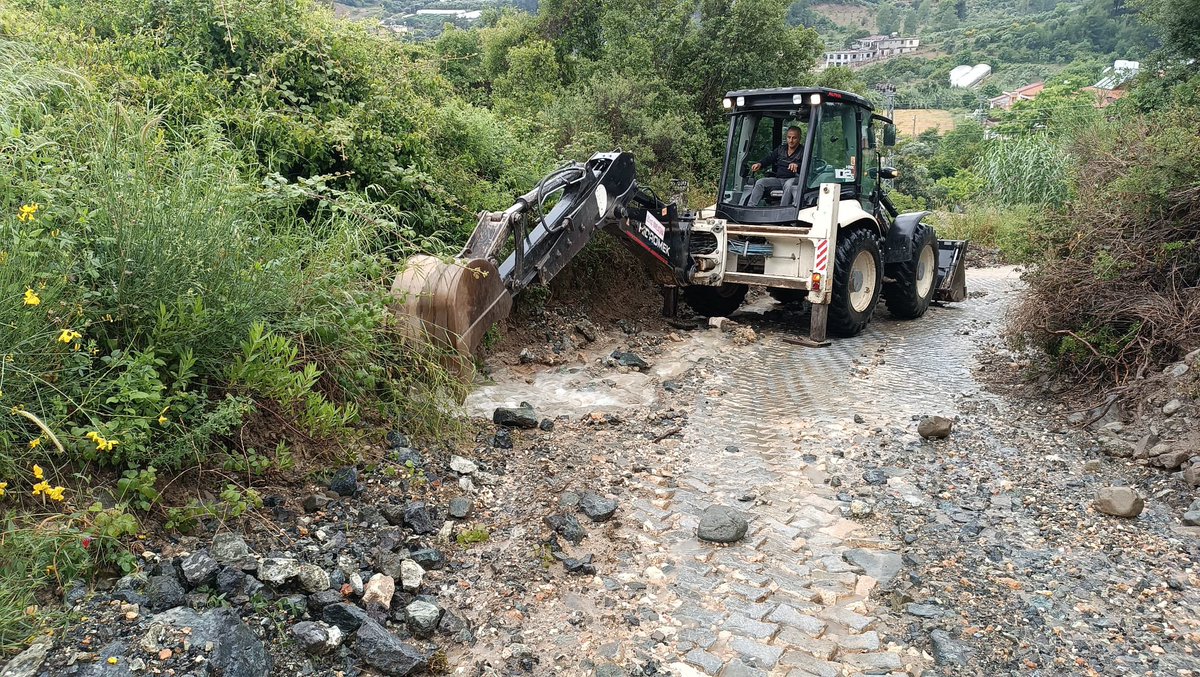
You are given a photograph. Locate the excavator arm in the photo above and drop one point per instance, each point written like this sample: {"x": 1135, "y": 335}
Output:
{"x": 453, "y": 303}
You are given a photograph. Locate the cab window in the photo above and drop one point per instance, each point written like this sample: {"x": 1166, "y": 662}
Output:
{"x": 835, "y": 151}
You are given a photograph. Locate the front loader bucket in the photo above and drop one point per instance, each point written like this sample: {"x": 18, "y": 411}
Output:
{"x": 952, "y": 270}
{"x": 450, "y": 305}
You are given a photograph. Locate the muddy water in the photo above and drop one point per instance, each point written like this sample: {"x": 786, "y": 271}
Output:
{"x": 584, "y": 388}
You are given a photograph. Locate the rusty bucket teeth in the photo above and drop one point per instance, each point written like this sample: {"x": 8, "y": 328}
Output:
{"x": 451, "y": 304}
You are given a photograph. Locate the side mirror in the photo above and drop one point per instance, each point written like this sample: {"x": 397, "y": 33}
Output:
{"x": 889, "y": 173}
{"x": 889, "y": 136}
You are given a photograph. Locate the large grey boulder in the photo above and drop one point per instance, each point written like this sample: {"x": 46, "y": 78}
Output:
{"x": 935, "y": 427}
{"x": 721, "y": 524}
{"x": 1119, "y": 502}
{"x": 236, "y": 652}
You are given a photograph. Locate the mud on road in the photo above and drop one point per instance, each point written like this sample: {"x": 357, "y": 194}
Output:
{"x": 869, "y": 550}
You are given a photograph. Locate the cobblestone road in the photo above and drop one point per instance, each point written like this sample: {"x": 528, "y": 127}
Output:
{"x": 793, "y": 598}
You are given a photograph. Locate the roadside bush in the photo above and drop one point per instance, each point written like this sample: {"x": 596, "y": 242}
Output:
{"x": 1121, "y": 294}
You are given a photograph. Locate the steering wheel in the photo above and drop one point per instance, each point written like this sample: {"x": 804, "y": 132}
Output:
{"x": 820, "y": 166}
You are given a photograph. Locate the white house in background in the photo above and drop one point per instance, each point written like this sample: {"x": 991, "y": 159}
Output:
{"x": 871, "y": 49}
{"x": 970, "y": 77}
{"x": 468, "y": 14}
{"x": 1114, "y": 82}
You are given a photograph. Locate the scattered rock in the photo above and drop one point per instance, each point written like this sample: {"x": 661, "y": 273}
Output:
{"x": 278, "y": 570}
{"x": 596, "y": 507}
{"x": 235, "y": 652}
{"x": 923, "y": 610}
{"x": 721, "y": 524}
{"x": 422, "y": 618}
{"x": 578, "y": 566}
{"x": 316, "y": 637}
{"x": 460, "y": 507}
{"x": 420, "y": 518}
{"x": 1176, "y": 370}
{"x": 411, "y": 575}
{"x": 546, "y": 425}
{"x": 429, "y": 559}
{"x": 199, "y": 568}
{"x": 947, "y": 651}
{"x": 229, "y": 548}
{"x": 627, "y": 359}
{"x": 379, "y": 591}
{"x": 344, "y": 481}
{"x": 313, "y": 578}
{"x": 462, "y": 465}
{"x": 385, "y": 652}
{"x": 935, "y": 427}
{"x": 566, "y": 526}
{"x": 1119, "y": 502}
{"x": 516, "y": 417}
{"x": 28, "y": 662}
{"x": 1092, "y": 465}
{"x": 346, "y": 617}
{"x": 314, "y": 502}
{"x": 882, "y": 566}
{"x": 1191, "y": 475}
{"x": 1171, "y": 407}
{"x": 502, "y": 439}
{"x": 164, "y": 592}
{"x": 875, "y": 477}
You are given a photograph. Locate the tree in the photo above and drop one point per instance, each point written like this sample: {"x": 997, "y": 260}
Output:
{"x": 945, "y": 15}
{"x": 887, "y": 19}
{"x": 912, "y": 23}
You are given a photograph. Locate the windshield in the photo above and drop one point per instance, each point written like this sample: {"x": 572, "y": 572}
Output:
{"x": 762, "y": 166}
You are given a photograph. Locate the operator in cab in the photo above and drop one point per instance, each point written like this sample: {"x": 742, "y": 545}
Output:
{"x": 784, "y": 165}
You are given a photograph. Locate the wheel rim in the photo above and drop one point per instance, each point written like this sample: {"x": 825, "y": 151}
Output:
{"x": 925, "y": 268}
{"x": 864, "y": 277}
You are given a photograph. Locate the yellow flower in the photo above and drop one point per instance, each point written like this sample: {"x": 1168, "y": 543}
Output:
{"x": 69, "y": 335}
{"x": 40, "y": 487}
{"x": 37, "y": 472}
{"x": 33, "y": 444}
{"x": 162, "y": 420}
{"x": 31, "y": 298}
{"x": 3, "y": 487}
{"x": 101, "y": 443}
{"x": 56, "y": 494}
{"x": 27, "y": 212}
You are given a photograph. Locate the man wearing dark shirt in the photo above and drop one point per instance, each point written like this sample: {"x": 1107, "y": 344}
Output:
{"x": 785, "y": 160}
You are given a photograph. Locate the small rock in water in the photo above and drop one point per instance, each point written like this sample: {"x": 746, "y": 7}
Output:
{"x": 627, "y": 359}
{"x": 935, "y": 427}
{"x": 460, "y": 507}
{"x": 1119, "y": 502}
{"x": 516, "y": 417}
{"x": 721, "y": 524}
{"x": 344, "y": 481}
{"x": 859, "y": 419}
{"x": 547, "y": 425}
{"x": 566, "y": 526}
{"x": 596, "y": 507}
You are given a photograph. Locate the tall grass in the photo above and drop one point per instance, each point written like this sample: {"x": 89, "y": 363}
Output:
{"x": 1026, "y": 170}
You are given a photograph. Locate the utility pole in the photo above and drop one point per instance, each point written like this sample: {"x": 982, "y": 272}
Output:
{"x": 889, "y": 96}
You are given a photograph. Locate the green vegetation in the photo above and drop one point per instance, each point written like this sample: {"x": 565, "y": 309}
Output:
{"x": 1102, "y": 204}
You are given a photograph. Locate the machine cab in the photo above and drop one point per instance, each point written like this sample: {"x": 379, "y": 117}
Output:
{"x": 838, "y": 141}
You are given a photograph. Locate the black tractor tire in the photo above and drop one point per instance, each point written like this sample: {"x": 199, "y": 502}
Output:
{"x": 855, "y": 292}
{"x": 715, "y": 301}
{"x": 915, "y": 280}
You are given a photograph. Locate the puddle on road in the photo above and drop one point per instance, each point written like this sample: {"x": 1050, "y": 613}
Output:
{"x": 580, "y": 389}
